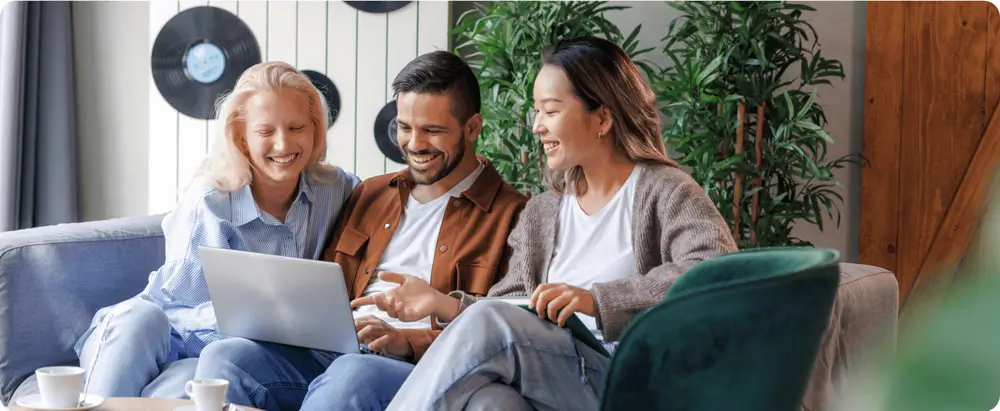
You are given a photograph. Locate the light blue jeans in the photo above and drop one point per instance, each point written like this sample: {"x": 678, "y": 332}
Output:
{"x": 500, "y": 355}
{"x": 130, "y": 352}
{"x": 263, "y": 375}
{"x": 361, "y": 382}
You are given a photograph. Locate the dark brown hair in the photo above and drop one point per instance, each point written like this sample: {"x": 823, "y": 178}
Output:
{"x": 603, "y": 75}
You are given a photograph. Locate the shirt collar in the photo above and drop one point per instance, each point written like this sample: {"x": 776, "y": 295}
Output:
{"x": 245, "y": 207}
{"x": 482, "y": 192}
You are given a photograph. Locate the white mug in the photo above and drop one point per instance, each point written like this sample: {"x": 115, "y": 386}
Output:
{"x": 60, "y": 387}
{"x": 208, "y": 395}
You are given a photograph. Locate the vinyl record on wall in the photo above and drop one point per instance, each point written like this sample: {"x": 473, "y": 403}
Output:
{"x": 385, "y": 133}
{"x": 329, "y": 92}
{"x": 198, "y": 56}
{"x": 378, "y": 6}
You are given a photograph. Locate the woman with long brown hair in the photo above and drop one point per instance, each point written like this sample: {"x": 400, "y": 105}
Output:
{"x": 619, "y": 224}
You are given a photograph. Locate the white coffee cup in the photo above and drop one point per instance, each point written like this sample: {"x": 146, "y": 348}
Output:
{"x": 208, "y": 395}
{"x": 60, "y": 386}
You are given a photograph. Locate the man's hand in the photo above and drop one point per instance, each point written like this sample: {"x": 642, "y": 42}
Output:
{"x": 382, "y": 337}
{"x": 413, "y": 300}
{"x": 559, "y": 301}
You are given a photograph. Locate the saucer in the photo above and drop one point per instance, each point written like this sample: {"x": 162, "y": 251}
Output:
{"x": 34, "y": 402}
{"x": 192, "y": 408}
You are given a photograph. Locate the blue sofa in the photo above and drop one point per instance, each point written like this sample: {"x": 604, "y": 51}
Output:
{"x": 52, "y": 281}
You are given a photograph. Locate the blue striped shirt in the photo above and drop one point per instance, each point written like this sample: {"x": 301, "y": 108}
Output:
{"x": 209, "y": 217}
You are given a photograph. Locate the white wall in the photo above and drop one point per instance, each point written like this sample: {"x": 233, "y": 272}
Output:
{"x": 112, "y": 67}
{"x": 360, "y": 52}
{"x": 114, "y": 91}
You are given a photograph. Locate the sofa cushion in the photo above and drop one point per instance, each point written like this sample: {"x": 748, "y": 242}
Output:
{"x": 53, "y": 279}
{"x": 864, "y": 318}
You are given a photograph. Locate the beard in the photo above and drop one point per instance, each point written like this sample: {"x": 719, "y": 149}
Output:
{"x": 447, "y": 164}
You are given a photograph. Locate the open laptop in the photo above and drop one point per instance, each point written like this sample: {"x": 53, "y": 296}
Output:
{"x": 284, "y": 300}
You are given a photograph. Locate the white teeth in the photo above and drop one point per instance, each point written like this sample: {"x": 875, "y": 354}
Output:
{"x": 550, "y": 146}
{"x": 421, "y": 159}
{"x": 283, "y": 159}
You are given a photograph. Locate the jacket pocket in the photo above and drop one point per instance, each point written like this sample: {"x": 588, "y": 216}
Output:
{"x": 351, "y": 242}
{"x": 475, "y": 279}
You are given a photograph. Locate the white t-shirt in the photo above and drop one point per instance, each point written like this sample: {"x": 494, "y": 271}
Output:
{"x": 595, "y": 248}
{"x": 412, "y": 247}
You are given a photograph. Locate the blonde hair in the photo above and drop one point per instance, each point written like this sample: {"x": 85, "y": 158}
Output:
{"x": 603, "y": 75}
{"x": 227, "y": 166}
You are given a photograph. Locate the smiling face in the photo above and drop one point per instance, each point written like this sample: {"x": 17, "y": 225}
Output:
{"x": 431, "y": 137}
{"x": 568, "y": 130}
{"x": 279, "y": 136}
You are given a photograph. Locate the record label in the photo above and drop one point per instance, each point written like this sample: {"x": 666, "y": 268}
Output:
{"x": 205, "y": 62}
{"x": 197, "y": 57}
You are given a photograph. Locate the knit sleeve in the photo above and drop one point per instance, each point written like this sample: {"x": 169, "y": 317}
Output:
{"x": 688, "y": 229}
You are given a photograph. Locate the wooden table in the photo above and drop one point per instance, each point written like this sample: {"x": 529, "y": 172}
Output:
{"x": 137, "y": 404}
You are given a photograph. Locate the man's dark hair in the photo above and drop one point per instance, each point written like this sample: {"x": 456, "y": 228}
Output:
{"x": 441, "y": 72}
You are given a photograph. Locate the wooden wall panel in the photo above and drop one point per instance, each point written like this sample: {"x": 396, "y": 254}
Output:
{"x": 361, "y": 52}
{"x": 882, "y": 130}
{"x": 944, "y": 61}
{"x": 992, "y": 61}
{"x": 932, "y": 84}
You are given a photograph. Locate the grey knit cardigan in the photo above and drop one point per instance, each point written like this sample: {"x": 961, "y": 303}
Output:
{"x": 674, "y": 226}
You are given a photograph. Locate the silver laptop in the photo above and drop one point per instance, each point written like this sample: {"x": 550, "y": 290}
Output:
{"x": 284, "y": 300}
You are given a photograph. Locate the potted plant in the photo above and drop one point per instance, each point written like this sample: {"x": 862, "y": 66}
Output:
{"x": 740, "y": 103}
{"x": 504, "y": 40}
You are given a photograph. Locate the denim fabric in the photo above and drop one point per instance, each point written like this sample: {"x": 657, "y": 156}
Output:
{"x": 361, "y": 382}
{"x": 500, "y": 343}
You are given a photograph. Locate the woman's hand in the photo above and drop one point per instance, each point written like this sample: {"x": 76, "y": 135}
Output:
{"x": 413, "y": 300}
{"x": 382, "y": 337}
{"x": 559, "y": 301}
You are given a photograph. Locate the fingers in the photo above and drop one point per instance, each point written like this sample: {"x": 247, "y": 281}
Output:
{"x": 360, "y": 322}
{"x": 381, "y": 344}
{"x": 558, "y": 303}
{"x": 543, "y": 300}
{"x": 370, "y": 333}
{"x": 574, "y": 306}
{"x": 533, "y": 301}
{"x": 392, "y": 277}
{"x": 363, "y": 301}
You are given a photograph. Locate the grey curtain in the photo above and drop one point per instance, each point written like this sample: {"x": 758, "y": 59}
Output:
{"x": 38, "y": 183}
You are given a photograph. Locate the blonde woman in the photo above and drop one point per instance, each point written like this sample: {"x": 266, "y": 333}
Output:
{"x": 618, "y": 225}
{"x": 263, "y": 188}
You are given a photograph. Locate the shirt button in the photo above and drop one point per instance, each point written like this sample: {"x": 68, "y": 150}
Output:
{"x": 456, "y": 203}
{"x": 387, "y": 226}
{"x": 443, "y": 248}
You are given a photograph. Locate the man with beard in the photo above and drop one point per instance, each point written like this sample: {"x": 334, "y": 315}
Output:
{"x": 444, "y": 220}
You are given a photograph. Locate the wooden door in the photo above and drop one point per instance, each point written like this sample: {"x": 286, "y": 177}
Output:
{"x": 931, "y": 136}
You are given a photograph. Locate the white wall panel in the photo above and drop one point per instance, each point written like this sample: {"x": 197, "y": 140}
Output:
{"x": 192, "y": 133}
{"x": 360, "y": 52}
{"x": 402, "y": 47}
{"x": 162, "y": 126}
{"x": 215, "y": 126}
{"x": 341, "y": 68}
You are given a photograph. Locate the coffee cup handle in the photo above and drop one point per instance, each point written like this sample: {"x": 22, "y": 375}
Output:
{"x": 187, "y": 389}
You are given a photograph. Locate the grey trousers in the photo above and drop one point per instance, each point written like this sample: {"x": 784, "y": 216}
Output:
{"x": 500, "y": 356}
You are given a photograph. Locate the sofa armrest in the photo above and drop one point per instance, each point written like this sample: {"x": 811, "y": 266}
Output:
{"x": 864, "y": 319}
{"x": 54, "y": 278}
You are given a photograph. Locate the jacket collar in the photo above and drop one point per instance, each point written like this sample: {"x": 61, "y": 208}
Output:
{"x": 482, "y": 193}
